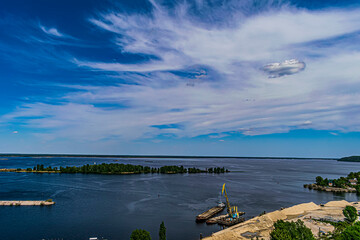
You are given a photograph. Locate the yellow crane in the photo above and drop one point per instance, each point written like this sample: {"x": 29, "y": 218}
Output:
{"x": 231, "y": 210}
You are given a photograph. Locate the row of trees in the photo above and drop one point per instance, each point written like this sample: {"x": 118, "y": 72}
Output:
{"x": 40, "y": 167}
{"x": 140, "y": 234}
{"x": 350, "y": 159}
{"x": 116, "y": 168}
{"x": 341, "y": 182}
{"x": 347, "y": 230}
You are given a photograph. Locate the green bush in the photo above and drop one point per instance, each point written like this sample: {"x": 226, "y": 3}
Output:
{"x": 162, "y": 232}
{"x": 350, "y": 214}
{"x": 140, "y": 234}
{"x": 291, "y": 230}
{"x": 351, "y": 232}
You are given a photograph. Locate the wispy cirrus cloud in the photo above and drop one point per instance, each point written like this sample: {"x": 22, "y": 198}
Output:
{"x": 233, "y": 93}
{"x": 52, "y": 31}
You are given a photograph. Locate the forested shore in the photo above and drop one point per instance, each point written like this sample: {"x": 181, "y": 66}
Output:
{"x": 118, "y": 168}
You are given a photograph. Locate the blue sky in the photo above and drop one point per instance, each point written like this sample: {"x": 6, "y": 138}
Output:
{"x": 179, "y": 77}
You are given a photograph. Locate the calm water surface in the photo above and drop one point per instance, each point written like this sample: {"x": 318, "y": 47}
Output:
{"x": 111, "y": 206}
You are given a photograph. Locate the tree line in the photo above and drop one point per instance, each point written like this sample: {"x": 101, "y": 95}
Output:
{"x": 119, "y": 168}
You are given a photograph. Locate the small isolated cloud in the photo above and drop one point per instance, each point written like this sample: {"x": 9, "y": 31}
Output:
{"x": 308, "y": 122}
{"x": 15, "y": 132}
{"x": 334, "y": 133}
{"x": 221, "y": 140}
{"x": 52, "y": 31}
{"x": 220, "y": 135}
{"x": 288, "y": 67}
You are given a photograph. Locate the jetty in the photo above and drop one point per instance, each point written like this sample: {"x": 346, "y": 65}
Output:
{"x": 27, "y": 203}
{"x": 209, "y": 213}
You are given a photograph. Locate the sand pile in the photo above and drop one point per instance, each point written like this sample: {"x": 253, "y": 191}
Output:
{"x": 342, "y": 203}
{"x": 300, "y": 209}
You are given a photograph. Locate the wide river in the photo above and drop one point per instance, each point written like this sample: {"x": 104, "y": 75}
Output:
{"x": 112, "y": 206}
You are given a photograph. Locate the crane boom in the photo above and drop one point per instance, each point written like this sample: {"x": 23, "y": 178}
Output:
{"x": 229, "y": 211}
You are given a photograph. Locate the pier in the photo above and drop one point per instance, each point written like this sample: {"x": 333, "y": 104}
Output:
{"x": 27, "y": 203}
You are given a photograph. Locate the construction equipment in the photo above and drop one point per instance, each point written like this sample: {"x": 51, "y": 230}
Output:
{"x": 233, "y": 214}
{"x": 228, "y": 207}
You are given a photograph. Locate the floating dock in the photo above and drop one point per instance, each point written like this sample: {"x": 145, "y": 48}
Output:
{"x": 221, "y": 219}
{"x": 215, "y": 220}
{"x": 230, "y": 221}
{"x": 209, "y": 213}
{"x": 26, "y": 203}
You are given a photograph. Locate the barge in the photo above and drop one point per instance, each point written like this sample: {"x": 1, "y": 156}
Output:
{"x": 209, "y": 213}
{"x": 230, "y": 221}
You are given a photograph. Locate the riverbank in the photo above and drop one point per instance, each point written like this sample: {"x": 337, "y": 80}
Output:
{"x": 309, "y": 213}
{"x": 330, "y": 189}
{"x": 27, "y": 203}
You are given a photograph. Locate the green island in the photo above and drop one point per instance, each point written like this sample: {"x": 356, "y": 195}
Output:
{"x": 116, "y": 168}
{"x": 350, "y": 159}
{"x": 343, "y": 184}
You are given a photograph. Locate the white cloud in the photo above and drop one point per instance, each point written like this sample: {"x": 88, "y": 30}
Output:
{"x": 52, "y": 31}
{"x": 233, "y": 96}
{"x": 288, "y": 67}
{"x": 180, "y": 40}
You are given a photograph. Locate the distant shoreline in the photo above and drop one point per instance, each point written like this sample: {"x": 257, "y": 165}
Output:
{"x": 146, "y": 156}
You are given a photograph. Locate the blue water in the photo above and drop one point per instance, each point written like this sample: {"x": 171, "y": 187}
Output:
{"x": 111, "y": 206}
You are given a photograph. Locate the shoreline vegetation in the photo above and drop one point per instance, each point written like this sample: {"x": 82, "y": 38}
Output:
{"x": 116, "y": 168}
{"x": 2, "y": 155}
{"x": 348, "y": 184}
{"x": 350, "y": 159}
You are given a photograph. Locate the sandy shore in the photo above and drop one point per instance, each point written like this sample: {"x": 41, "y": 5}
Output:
{"x": 308, "y": 212}
{"x": 25, "y": 203}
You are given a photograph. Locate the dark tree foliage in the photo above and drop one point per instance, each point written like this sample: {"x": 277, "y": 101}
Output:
{"x": 350, "y": 159}
{"x": 140, "y": 234}
{"x": 350, "y": 214}
{"x": 162, "y": 232}
{"x": 322, "y": 182}
{"x": 116, "y": 168}
{"x": 351, "y": 232}
{"x": 291, "y": 230}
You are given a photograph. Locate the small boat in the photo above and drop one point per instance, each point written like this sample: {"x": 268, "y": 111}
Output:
{"x": 221, "y": 204}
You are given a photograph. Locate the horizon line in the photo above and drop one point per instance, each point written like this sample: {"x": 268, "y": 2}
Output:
{"x": 148, "y": 156}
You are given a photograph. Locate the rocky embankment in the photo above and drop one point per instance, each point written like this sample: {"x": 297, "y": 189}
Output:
{"x": 330, "y": 189}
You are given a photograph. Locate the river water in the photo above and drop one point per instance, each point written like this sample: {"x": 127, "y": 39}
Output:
{"x": 112, "y": 206}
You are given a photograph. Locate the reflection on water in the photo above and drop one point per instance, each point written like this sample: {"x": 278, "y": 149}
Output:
{"x": 112, "y": 206}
